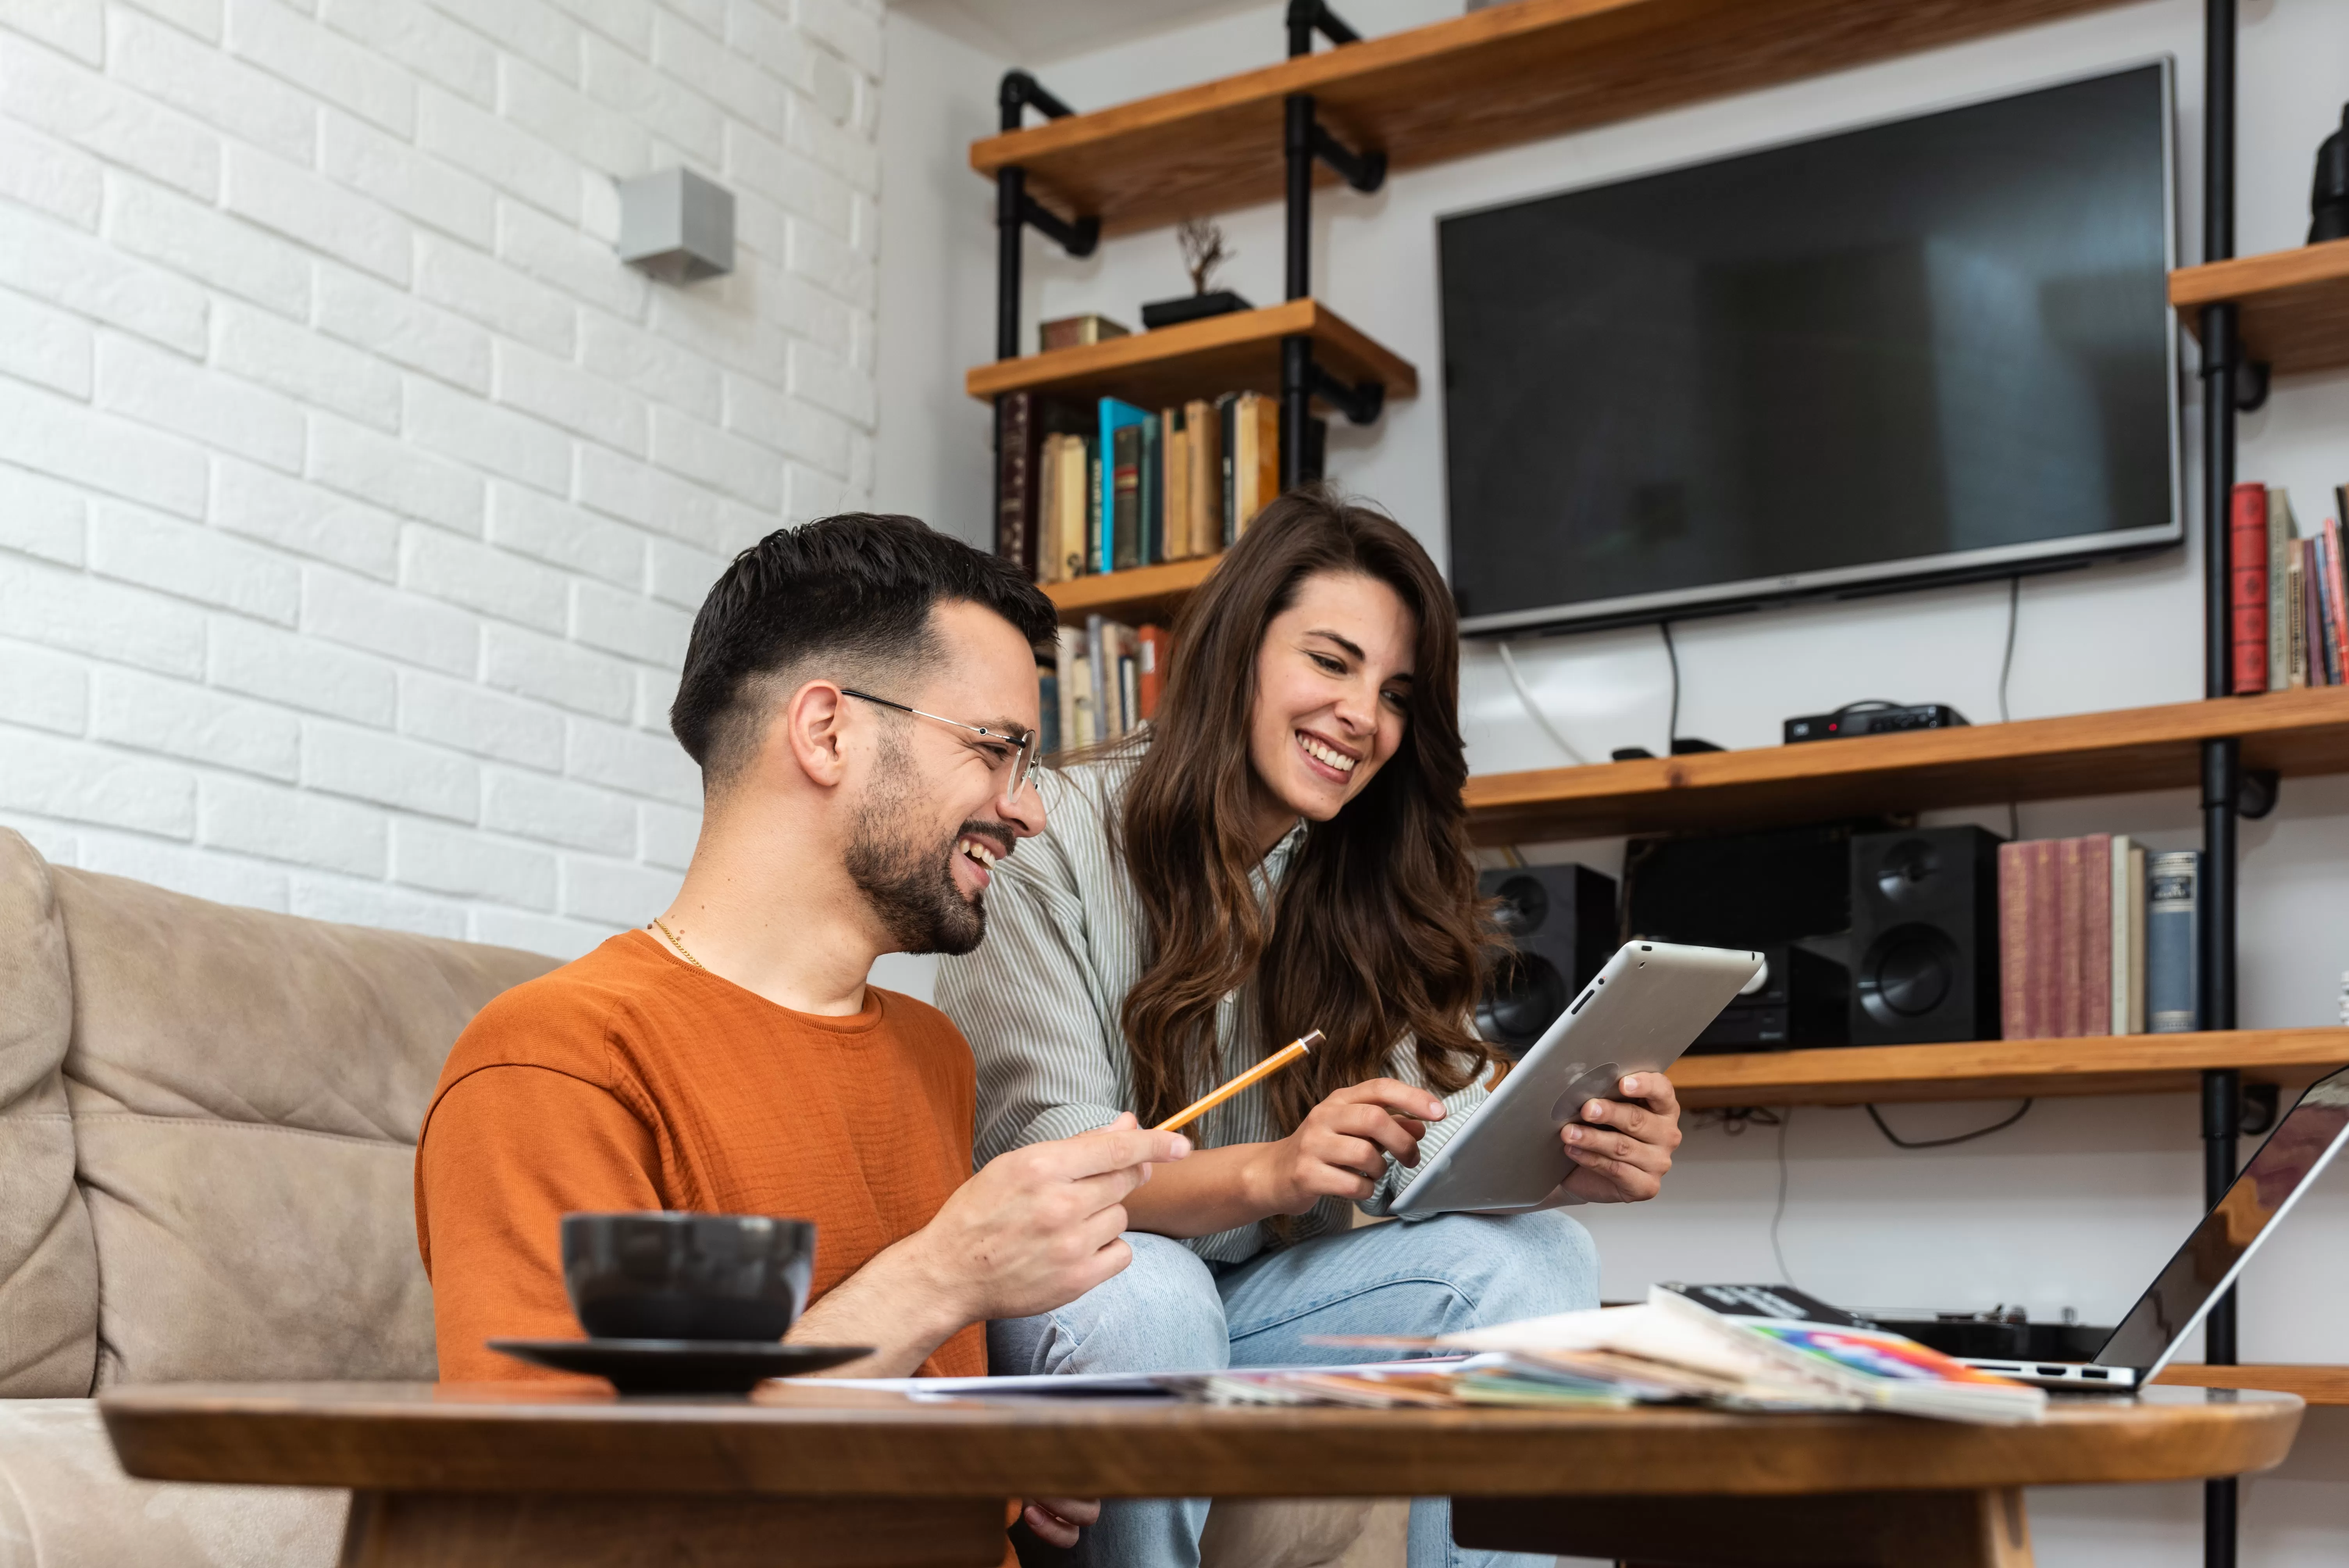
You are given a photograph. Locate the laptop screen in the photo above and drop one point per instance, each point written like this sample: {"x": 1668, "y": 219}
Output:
{"x": 2302, "y": 1144}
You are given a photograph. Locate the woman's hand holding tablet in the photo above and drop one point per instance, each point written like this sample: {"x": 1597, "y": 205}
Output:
{"x": 1621, "y": 1148}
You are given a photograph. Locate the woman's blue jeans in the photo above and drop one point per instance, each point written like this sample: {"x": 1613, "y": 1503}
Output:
{"x": 1170, "y": 1312}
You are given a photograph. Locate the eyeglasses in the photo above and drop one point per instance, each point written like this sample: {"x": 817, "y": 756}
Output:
{"x": 1025, "y": 741}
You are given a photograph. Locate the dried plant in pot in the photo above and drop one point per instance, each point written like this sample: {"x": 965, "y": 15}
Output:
{"x": 1203, "y": 251}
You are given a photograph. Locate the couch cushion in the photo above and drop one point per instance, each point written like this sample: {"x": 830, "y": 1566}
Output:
{"x": 1306, "y": 1533}
{"x": 66, "y": 1504}
{"x": 49, "y": 1266}
{"x": 246, "y": 1089}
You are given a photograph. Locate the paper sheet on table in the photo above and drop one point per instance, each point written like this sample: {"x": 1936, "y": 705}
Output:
{"x": 1117, "y": 1385}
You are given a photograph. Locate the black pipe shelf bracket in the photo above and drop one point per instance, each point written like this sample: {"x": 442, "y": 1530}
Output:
{"x": 1365, "y": 172}
{"x": 1305, "y": 141}
{"x": 1016, "y": 210}
{"x": 2251, "y": 377}
{"x": 1307, "y": 18}
{"x": 1360, "y": 403}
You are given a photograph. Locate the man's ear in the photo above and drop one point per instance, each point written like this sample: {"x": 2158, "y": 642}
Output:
{"x": 810, "y": 728}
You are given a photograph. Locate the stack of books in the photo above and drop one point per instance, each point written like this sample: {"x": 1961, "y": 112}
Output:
{"x": 1107, "y": 486}
{"x": 1738, "y": 1348}
{"x": 2096, "y": 938}
{"x": 2289, "y": 615}
{"x": 1102, "y": 683}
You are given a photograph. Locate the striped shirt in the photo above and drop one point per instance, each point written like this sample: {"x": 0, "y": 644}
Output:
{"x": 1041, "y": 1001}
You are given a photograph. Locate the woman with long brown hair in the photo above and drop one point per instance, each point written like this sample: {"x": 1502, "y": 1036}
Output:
{"x": 1283, "y": 848}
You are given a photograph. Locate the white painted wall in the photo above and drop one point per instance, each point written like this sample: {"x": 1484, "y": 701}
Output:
{"x": 2077, "y": 1204}
{"x": 935, "y": 445}
{"x": 354, "y": 500}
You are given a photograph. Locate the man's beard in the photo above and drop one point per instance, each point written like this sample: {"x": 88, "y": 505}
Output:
{"x": 909, "y": 881}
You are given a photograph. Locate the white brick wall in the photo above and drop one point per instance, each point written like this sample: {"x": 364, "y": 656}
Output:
{"x": 354, "y": 501}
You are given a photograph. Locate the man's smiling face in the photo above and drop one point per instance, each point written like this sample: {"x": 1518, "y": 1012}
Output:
{"x": 933, "y": 820}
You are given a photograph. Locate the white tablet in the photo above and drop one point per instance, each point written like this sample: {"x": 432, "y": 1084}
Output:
{"x": 1651, "y": 1000}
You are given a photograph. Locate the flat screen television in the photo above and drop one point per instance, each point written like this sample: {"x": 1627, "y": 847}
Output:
{"x": 1932, "y": 350}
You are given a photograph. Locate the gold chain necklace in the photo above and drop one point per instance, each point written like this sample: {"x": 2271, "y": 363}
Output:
{"x": 673, "y": 942}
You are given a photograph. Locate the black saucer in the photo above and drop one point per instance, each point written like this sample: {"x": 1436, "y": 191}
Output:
{"x": 679, "y": 1365}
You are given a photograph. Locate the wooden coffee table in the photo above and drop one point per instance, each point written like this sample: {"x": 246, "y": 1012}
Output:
{"x": 516, "y": 1477}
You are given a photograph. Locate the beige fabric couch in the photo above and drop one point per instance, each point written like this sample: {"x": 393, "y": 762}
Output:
{"x": 207, "y": 1124}
{"x": 208, "y": 1118}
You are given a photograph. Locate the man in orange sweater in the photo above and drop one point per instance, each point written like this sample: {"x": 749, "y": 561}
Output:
{"x": 861, "y": 695}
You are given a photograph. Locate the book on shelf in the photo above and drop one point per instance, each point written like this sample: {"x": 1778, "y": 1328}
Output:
{"x": 1106, "y": 678}
{"x": 1070, "y": 641}
{"x": 1121, "y": 499}
{"x": 2071, "y": 937}
{"x": 1156, "y": 647}
{"x": 1077, "y": 331}
{"x": 1019, "y": 439}
{"x": 2173, "y": 921}
{"x": 1048, "y": 706}
{"x": 2247, "y": 573}
{"x": 2328, "y": 578}
{"x": 1105, "y": 486}
{"x": 2300, "y": 575}
{"x": 2295, "y": 625}
{"x": 1204, "y": 450}
{"x": 2279, "y": 605}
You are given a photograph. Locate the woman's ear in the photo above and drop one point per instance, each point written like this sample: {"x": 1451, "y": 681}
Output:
{"x": 811, "y": 736}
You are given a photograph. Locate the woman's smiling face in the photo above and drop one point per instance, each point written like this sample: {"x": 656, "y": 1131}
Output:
{"x": 1332, "y": 689}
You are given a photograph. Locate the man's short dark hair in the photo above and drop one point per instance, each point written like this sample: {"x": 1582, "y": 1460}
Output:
{"x": 848, "y": 597}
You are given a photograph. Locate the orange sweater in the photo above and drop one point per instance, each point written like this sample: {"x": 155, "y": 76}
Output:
{"x": 628, "y": 1080}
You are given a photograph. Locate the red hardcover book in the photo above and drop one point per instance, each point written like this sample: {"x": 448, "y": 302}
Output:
{"x": 1157, "y": 647}
{"x": 2095, "y": 978}
{"x": 2069, "y": 1019}
{"x": 2047, "y": 951}
{"x": 2247, "y": 562}
{"x": 2013, "y": 941}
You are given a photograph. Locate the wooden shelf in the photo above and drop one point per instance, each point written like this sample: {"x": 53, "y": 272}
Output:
{"x": 1135, "y": 595}
{"x": 2296, "y": 733}
{"x": 1492, "y": 78}
{"x": 2001, "y": 1069}
{"x": 2316, "y": 1384}
{"x": 1236, "y": 352}
{"x": 2294, "y": 313}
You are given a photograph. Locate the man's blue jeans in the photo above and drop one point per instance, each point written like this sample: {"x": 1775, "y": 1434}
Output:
{"x": 1170, "y": 1312}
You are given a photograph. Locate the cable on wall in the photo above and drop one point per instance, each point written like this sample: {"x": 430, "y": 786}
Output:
{"x": 1533, "y": 709}
{"x": 1898, "y": 1141}
{"x": 1672, "y": 723}
{"x": 1786, "y": 1120}
{"x": 2006, "y": 664}
{"x": 2006, "y": 673}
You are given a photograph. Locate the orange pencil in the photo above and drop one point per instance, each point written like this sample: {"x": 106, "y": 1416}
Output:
{"x": 1257, "y": 1074}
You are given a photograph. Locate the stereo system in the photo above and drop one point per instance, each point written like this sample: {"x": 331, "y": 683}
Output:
{"x": 1562, "y": 920}
{"x": 1872, "y": 718}
{"x": 1800, "y": 998}
{"x": 1872, "y": 933}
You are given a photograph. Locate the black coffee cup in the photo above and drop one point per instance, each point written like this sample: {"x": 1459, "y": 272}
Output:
{"x": 666, "y": 1276}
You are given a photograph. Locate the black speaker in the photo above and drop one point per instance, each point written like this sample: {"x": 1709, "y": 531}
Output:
{"x": 1924, "y": 936}
{"x": 1562, "y": 920}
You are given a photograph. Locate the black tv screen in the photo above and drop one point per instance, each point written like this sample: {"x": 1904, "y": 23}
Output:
{"x": 1924, "y": 351}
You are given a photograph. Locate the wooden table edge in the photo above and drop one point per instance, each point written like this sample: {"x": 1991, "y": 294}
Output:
{"x": 250, "y": 1437}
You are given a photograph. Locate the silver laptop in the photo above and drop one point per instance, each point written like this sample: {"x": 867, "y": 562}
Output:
{"x": 2302, "y": 1144}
